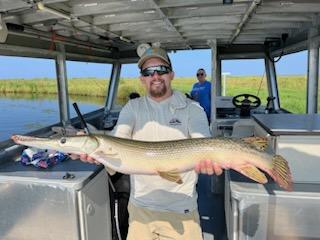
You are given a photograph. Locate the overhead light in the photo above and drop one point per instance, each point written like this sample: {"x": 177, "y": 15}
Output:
{"x": 192, "y": 8}
{"x": 149, "y": 12}
{"x": 286, "y": 3}
{"x": 42, "y": 7}
{"x": 227, "y": 1}
{"x": 90, "y": 4}
{"x": 109, "y": 15}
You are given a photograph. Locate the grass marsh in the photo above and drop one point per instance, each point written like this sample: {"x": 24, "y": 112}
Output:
{"x": 292, "y": 89}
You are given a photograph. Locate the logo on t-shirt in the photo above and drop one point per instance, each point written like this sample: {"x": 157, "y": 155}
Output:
{"x": 175, "y": 121}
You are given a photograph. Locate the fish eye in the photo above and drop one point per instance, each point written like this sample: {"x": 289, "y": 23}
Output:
{"x": 63, "y": 140}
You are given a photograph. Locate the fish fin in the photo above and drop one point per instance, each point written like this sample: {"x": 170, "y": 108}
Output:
{"x": 172, "y": 176}
{"x": 103, "y": 157}
{"x": 260, "y": 143}
{"x": 253, "y": 173}
{"x": 281, "y": 173}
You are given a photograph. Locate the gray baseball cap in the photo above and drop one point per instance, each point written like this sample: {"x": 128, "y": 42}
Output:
{"x": 154, "y": 52}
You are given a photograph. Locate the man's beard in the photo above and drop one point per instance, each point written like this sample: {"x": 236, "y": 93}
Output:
{"x": 158, "y": 91}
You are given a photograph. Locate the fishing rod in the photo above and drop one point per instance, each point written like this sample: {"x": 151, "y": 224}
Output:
{"x": 83, "y": 122}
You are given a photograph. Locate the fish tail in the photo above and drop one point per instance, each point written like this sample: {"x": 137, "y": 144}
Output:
{"x": 281, "y": 172}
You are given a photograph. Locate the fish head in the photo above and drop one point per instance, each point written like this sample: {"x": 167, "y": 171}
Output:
{"x": 76, "y": 144}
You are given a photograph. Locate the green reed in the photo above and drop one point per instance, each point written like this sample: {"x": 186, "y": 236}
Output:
{"x": 292, "y": 89}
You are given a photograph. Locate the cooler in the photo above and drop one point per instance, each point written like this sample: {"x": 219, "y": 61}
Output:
{"x": 70, "y": 201}
{"x": 256, "y": 211}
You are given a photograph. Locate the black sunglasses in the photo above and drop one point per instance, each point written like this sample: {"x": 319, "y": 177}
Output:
{"x": 200, "y": 74}
{"x": 161, "y": 69}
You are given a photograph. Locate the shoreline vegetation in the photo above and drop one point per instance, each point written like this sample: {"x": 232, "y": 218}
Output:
{"x": 292, "y": 88}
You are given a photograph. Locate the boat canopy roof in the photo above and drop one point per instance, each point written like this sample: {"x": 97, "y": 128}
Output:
{"x": 111, "y": 30}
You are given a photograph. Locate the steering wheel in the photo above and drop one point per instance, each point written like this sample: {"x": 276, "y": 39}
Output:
{"x": 246, "y": 102}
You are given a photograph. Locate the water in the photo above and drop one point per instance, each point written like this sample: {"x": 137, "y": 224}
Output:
{"x": 20, "y": 114}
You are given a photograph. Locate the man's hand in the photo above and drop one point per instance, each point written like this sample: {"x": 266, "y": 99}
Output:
{"x": 208, "y": 167}
{"x": 84, "y": 158}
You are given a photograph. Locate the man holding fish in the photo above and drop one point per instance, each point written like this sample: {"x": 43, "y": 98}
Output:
{"x": 159, "y": 208}
{"x": 152, "y": 143}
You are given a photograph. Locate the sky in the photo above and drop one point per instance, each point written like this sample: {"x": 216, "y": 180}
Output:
{"x": 185, "y": 64}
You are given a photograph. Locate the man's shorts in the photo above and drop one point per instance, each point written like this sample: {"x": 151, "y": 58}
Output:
{"x": 148, "y": 224}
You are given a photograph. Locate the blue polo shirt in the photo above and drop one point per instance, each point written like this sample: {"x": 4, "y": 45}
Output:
{"x": 201, "y": 92}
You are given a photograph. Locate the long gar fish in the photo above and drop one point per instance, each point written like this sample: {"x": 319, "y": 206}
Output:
{"x": 168, "y": 159}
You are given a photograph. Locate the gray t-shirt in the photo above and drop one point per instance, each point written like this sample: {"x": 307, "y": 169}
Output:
{"x": 174, "y": 118}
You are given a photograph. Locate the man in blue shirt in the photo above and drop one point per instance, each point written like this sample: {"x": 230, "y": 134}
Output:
{"x": 201, "y": 92}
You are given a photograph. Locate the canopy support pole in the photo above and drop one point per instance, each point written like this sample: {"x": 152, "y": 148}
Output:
{"x": 272, "y": 82}
{"x": 62, "y": 83}
{"x": 113, "y": 86}
{"x": 214, "y": 65}
{"x": 313, "y": 70}
{"x": 217, "y": 182}
{"x": 219, "y": 81}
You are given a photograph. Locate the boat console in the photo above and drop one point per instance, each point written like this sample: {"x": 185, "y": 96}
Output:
{"x": 236, "y": 112}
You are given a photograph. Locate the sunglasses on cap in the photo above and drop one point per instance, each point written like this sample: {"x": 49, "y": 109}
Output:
{"x": 150, "y": 71}
{"x": 200, "y": 74}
